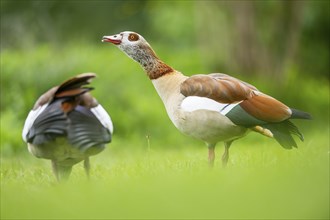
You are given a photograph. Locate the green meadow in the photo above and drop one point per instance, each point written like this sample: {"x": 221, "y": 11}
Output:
{"x": 150, "y": 170}
{"x": 262, "y": 181}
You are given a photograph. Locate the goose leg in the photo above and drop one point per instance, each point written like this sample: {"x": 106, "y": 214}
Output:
{"x": 225, "y": 155}
{"x": 87, "y": 166}
{"x": 211, "y": 154}
{"x": 55, "y": 170}
{"x": 61, "y": 172}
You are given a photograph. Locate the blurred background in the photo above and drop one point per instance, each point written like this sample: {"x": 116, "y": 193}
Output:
{"x": 281, "y": 47}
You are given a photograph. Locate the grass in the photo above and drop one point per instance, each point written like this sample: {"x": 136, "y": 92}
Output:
{"x": 130, "y": 181}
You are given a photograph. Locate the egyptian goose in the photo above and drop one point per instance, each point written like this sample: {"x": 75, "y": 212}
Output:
{"x": 67, "y": 125}
{"x": 214, "y": 107}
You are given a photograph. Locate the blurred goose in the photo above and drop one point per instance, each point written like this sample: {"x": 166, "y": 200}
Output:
{"x": 214, "y": 107}
{"x": 67, "y": 125}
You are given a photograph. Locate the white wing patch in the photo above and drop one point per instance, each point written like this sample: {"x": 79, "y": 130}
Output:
{"x": 103, "y": 117}
{"x": 32, "y": 116}
{"x": 193, "y": 103}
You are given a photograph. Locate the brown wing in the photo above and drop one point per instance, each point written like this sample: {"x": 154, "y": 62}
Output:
{"x": 76, "y": 82}
{"x": 219, "y": 87}
{"x": 70, "y": 88}
{"x": 226, "y": 89}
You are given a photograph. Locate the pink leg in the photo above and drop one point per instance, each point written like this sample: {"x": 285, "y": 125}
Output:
{"x": 211, "y": 154}
{"x": 225, "y": 155}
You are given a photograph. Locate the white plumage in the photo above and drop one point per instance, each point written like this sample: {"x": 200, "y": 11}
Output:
{"x": 103, "y": 117}
{"x": 32, "y": 116}
{"x": 193, "y": 103}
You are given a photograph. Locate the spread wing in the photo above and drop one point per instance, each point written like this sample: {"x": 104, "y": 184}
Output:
{"x": 247, "y": 106}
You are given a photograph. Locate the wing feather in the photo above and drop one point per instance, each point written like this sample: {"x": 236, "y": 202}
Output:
{"x": 87, "y": 134}
{"x": 266, "y": 108}
{"x": 76, "y": 82}
{"x": 69, "y": 88}
{"x": 219, "y": 87}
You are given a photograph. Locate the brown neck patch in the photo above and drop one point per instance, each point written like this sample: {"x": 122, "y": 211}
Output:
{"x": 159, "y": 70}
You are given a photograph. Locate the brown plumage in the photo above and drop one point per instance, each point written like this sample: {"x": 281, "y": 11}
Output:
{"x": 266, "y": 108}
{"x": 219, "y": 87}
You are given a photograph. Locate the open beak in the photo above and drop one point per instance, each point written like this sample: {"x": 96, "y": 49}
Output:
{"x": 115, "y": 39}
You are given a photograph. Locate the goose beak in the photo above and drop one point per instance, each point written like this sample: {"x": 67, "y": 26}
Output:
{"x": 115, "y": 39}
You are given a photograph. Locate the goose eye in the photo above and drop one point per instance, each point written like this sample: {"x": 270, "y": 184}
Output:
{"x": 133, "y": 37}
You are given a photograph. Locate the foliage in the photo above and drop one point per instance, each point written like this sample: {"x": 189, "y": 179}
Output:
{"x": 243, "y": 37}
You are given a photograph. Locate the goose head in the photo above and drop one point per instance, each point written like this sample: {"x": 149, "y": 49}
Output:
{"x": 132, "y": 44}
